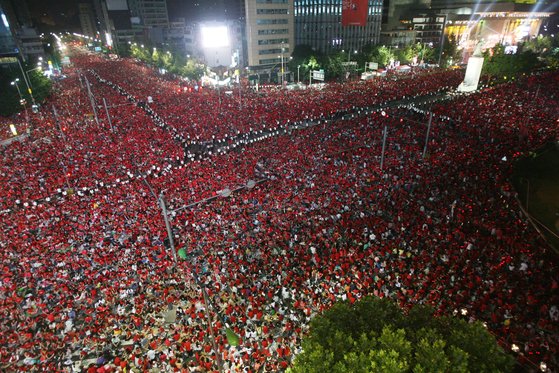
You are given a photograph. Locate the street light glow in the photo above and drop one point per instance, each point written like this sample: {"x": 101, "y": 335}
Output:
{"x": 5, "y": 20}
{"x": 215, "y": 36}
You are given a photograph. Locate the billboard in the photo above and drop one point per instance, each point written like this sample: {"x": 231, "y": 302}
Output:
{"x": 216, "y": 36}
{"x": 354, "y": 12}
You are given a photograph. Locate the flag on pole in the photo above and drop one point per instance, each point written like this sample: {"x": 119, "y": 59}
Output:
{"x": 354, "y": 12}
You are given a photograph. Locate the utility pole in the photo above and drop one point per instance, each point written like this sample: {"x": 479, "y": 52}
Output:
{"x": 26, "y": 82}
{"x": 108, "y": 115}
{"x": 442, "y": 42}
{"x": 58, "y": 123}
{"x": 427, "y": 135}
{"x": 163, "y": 206}
{"x": 385, "y": 133}
{"x": 92, "y": 100}
{"x": 282, "y": 49}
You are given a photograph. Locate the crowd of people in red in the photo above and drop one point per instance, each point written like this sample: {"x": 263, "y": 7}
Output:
{"x": 87, "y": 277}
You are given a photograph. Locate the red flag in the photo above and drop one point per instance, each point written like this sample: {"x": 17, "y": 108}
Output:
{"x": 354, "y": 12}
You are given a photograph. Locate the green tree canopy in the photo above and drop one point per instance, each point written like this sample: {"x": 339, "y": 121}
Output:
{"x": 10, "y": 99}
{"x": 501, "y": 65}
{"x": 306, "y": 59}
{"x": 374, "y": 335}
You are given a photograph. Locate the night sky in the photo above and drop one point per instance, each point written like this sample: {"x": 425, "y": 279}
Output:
{"x": 55, "y": 15}
{"x": 62, "y": 15}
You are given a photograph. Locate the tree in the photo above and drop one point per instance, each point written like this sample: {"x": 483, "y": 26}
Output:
{"x": 10, "y": 102}
{"x": 380, "y": 54}
{"x": 307, "y": 59}
{"x": 500, "y": 65}
{"x": 451, "y": 53}
{"x": 374, "y": 335}
{"x": 333, "y": 65}
{"x": 192, "y": 70}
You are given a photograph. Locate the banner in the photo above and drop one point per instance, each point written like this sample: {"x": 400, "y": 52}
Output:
{"x": 318, "y": 75}
{"x": 354, "y": 12}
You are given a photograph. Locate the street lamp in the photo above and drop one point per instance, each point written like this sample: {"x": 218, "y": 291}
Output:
{"x": 298, "y": 80}
{"x": 40, "y": 68}
{"x": 26, "y": 82}
{"x": 14, "y": 83}
{"x": 282, "y": 50}
{"x": 21, "y": 100}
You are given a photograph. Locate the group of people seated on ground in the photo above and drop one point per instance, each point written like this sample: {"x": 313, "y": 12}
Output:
{"x": 88, "y": 277}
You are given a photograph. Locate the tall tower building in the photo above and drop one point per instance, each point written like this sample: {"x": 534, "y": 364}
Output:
{"x": 318, "y": 23}
{"x": 87, "y": 19}
{"x": 8, "y": 46}
{"x": 270, "y": 32}
{"x": 152, "y": 13}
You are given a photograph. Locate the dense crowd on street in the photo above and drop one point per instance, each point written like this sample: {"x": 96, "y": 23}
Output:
{"x": 87, "y": 278}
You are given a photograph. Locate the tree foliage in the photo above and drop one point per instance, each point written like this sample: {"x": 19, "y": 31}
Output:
{"x": 171, "y": 61}
{"x": 10, "y": 101}
{"x": 305, "y": 58}
{"x": 374, "y": 335}
{"x": 501, "y": 65}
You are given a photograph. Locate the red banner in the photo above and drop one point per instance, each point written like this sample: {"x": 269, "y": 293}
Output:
{"x": 354, "y": 12}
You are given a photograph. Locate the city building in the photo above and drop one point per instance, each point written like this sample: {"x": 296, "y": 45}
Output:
{"x": 18, "y": 33}
{"x": 30, "y": 42}
{"x": 318, "y": 23}
{"x": 8, "y": 45}
{"x": 175, "y": 36}
{"x": 397, "y": 26}
{"x": 270, "y": 32}
{"x": 219, "y": 43}
{"x": 509, "y": 23}
{"x": 150, "y": 13}
{"x": 429, "y": 28}
{"x": 87, "y": 19}
{"x": 399, "y": 37}
{"x": 215, "y": 43}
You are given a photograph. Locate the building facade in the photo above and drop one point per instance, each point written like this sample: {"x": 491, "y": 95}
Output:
{"x": 270, "y": 32}
{"x": 151, "y": 13}
{"x": 87, "y": 19}
{"x": 318, "y": 24}
{"x": 8, "y": 45}
{"x": 429, "y": 28}
{"x": 491, "y": 23}
{"x": 17, "y": 34}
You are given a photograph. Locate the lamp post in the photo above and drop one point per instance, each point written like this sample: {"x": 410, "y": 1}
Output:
{"x": 28, "y": 71}
{"x": 21, "y": 101}
{"x": 298, "y": 80}
{"x": 26, "y": 82}
{"x": 14, "y": 83}
{"x": 282, "y": 50}
{"x": 207, "y": 303}
{"x": 349, "y": 54}
{"x": 442, "y": 42}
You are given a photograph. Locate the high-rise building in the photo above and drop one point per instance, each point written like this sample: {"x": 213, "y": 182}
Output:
{"x": 397, "y": 26}
{"x": 17, "y": 28}
{"x": 8, "y": 46}
{"x": 318, "y": 23}
{"x": 152, "y": 13}
{"x": 87, "y": 19}
{"x": 270, "y": 32}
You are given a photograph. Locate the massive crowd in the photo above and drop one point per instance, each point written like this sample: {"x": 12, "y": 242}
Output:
{"x": 87, "y": 278}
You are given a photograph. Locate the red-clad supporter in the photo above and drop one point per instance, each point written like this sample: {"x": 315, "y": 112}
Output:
{"x": 86, "y": 277}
